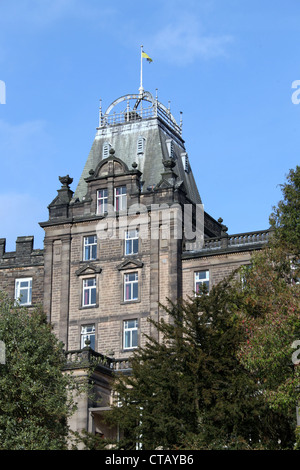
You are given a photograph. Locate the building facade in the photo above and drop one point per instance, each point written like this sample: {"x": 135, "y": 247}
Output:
{"x": 132, "y": 235}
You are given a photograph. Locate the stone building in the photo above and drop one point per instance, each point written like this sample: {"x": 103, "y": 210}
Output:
{"x": 131, "y": 235}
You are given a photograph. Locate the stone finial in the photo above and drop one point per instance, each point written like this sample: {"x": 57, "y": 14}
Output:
{"x": 169, "y": 163}
{"x": 65, "y": 181}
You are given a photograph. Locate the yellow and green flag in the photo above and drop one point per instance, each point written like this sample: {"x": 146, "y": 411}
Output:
{"x": 145, "y": 56}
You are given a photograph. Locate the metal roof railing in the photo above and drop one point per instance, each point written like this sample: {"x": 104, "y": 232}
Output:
{"x": 138, "y": 112}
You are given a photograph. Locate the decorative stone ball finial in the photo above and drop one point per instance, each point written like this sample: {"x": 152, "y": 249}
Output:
{"x": 65, "y": 180}
{"x": 169, "y": 164}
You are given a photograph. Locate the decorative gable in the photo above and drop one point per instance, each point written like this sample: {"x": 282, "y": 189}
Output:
{"x": 130, "y": 264}
{"x": 88, "y": 269}
{"x": 111, "y": 166}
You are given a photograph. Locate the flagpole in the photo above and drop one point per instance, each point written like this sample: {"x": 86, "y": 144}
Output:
{"x": 141, "y": 84}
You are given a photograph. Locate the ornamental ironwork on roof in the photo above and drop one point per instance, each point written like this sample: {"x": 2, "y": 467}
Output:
{"x": 138, "y": 107}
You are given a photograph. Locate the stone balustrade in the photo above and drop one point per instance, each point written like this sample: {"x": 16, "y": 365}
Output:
{"x": 226, "y": 241}
{"x": 87, "y": 357}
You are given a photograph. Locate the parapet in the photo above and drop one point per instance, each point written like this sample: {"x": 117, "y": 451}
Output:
{"x": 25, "y": 254}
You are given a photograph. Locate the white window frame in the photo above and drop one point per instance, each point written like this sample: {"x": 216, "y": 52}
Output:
{"x": 28, "y": 289}
{"x": 131, "y": 242}
{"x": 130, "y": 327}
{"x": 130, "y": 283}
{"x": 88, "y": 289}
{"x": 204, "y": 280}
{"x": 121, "y": 199}
{"x": 102, "y": 201}
{"x": 89, "y": 246}
{"x": 88, "y": 332}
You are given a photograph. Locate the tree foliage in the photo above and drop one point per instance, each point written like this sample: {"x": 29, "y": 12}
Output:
{"x": 270, "y": 313}
{"x": 223, "y": 377}
{"x": 285, "y": 218}
{"x": 35, "y": 402}
{"x": 190, "y": 390}
{"x": 271, "y": 308}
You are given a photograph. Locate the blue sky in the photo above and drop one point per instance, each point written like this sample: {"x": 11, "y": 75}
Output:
{"x": 227, "y": 65}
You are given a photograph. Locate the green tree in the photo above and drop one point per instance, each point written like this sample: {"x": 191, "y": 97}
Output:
{"x": 270, "y": 312}
{"x": 35, "y": 395}
{"x": 285, "y": 218}
{"x": 189, "y": 390}
{"x": 271, "y": 309}
{"x": 223, "y": 375}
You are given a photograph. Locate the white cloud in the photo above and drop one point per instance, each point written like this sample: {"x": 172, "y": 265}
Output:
{"x": 183, "y": 42}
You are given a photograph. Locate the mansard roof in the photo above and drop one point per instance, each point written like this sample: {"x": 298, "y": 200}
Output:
{"x": 121, "y": 131}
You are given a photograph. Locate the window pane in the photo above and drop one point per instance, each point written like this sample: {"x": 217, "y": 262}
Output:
{"x": 127, "y": 292}
{"x": 90, "y": 248}
{"x": 135, "y": 247}
{"x": 130, "y": 334}
{"x": 134, "y": 339}
{"x": 102, "y": 201}
{"x": 127, "y": 339}
{"x": 23, "y": 296}
{"x": 88, "y": 333}
{"x": 201, "y": 274}
{"x": 92, "y": 340}
{"x": 94, "y": 252}
{"x": 93, "y": 295}
{"x": 23, "y": 291}
{"x": 86, "y": 298}
{"x": 89, "y": 292}
{"x": 135, "y": 291}
{"x": 120, "y": 198}
{"x": 131, "y": 323}
{"x": 128, "y": 247}
{"x": 201, "y": 277}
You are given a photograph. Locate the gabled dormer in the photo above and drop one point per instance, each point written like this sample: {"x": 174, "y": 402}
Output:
{"x": 112, "y": 185}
